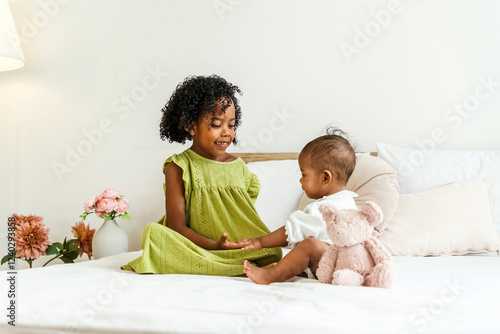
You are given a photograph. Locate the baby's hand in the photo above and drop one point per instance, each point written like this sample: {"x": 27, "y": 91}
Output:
{"x": 222, "y": 243}
{"x": 251, "y": 243}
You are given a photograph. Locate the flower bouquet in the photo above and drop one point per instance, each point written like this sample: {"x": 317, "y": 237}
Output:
{"x": 109, "y": 239}
{"x": 108, "y": 205}
{"x": 28, "y": 239}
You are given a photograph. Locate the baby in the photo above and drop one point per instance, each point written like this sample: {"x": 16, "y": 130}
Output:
{"x": 326, "y": 163}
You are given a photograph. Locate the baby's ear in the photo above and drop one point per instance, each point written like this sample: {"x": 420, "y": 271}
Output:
{"x": 328, "y": 211}
{"x": 372, "y": 212}
{"x": 327, "y": 176}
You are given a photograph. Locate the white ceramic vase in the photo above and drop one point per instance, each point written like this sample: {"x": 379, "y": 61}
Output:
{"x": 109, "y": 240}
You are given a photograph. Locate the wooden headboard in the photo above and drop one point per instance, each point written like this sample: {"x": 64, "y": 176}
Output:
{"x": 252, "y": 157}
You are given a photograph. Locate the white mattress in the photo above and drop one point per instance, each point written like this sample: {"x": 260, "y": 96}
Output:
{"x": 450, "y": 294}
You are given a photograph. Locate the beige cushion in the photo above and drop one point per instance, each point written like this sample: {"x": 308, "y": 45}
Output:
{"x": 374, "y": 180}
{"x": 455, "y": 218}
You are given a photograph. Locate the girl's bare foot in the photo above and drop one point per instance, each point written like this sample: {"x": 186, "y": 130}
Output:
{"x": 258, "y": 275}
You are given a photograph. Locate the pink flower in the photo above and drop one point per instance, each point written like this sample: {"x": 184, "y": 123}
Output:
{"x": 100, "y": 213}
{"x": 32, "y": 239}
{"x": 122, "y": 205}
{"x": 26, "y": 219}
{"x": 89, "y": 204}
{"x": 106, "y": 205}
{"x": 85, "y": 236}
{"x": 110, "y": 193}
{"x": 98, "y": 198}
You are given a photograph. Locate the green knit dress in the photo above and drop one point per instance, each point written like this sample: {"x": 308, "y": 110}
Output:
{"x": 220, "y": 197}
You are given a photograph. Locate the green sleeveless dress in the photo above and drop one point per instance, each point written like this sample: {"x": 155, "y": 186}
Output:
{"x": 220, "y": 197}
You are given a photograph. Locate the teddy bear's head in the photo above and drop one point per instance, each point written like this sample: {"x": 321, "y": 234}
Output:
{"x": 349, "y": 227}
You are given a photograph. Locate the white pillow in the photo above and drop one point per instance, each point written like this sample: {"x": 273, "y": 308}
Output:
{"x": 455, "y": 218}
{"x": 421, "y": 169}
{"x": 280, "y": 190}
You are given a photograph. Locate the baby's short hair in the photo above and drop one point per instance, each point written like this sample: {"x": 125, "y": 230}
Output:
{"x": 333, "y": 152}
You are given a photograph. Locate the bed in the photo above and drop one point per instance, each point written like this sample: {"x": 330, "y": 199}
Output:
{"x": 437, "y": 291}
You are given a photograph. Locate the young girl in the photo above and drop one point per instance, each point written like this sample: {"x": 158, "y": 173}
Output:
{"x": 326, "y": 164}
{"x": 209, "y": 194}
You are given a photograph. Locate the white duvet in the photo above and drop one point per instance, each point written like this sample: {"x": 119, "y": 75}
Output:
{"x": 449, "y": 294}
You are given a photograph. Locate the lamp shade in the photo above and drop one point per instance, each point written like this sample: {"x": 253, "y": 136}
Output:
{"x": 11, "y": 54}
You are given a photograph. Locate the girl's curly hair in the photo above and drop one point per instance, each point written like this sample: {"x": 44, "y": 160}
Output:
{"x": 194, "y": 99}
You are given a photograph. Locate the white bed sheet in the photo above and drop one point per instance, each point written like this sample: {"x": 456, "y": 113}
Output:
{"x": 450, "y": 294}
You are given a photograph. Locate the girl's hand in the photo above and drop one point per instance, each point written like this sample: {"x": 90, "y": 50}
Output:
{"x": 222, "y": 243}
{"x": 251, "y": 243}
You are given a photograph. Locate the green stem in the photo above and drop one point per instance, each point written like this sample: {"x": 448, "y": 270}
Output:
{"x": 55, "y": 257}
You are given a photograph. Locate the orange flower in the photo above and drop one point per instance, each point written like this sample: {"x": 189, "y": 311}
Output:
{"x": 26, "y": 219}
{"x": 32, "y": 238}
{"x": 85, "y": 236}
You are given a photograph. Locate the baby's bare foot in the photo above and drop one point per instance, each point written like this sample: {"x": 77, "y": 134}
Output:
{"x": 256, "y": 274}
{"x": 270, "y": 265}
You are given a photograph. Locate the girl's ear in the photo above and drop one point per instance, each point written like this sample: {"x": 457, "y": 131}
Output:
{"x": 190, "y": 130}
{"x": 327, "y": 176}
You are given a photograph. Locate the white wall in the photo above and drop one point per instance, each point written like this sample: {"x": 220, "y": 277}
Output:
{"x": 383, "y": 71}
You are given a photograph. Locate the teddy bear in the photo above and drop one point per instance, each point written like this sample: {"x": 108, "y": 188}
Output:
{"x": 354, "y": 258}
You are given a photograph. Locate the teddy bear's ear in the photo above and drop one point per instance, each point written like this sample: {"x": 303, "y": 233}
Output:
{"x": 328, "y": 211}
{"x": 372, "y": 212}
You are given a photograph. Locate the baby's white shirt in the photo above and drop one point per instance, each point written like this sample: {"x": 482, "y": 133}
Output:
{"x": 310, "y": 223}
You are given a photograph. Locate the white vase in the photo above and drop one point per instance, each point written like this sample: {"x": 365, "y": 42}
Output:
{"x": 109, "y": 240}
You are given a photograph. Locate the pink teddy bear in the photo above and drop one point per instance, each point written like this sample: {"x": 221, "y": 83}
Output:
{"x": 355, "y": 258}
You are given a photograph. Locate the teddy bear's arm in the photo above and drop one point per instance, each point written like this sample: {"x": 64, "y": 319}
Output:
{"x": 382, "y": 275}
{"x": 377, "y": 250}
{"x": 326, "y": 265}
